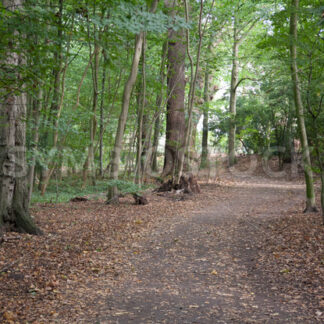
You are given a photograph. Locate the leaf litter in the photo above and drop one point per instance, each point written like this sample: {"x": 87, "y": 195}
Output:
{"x": 91, "y": 253}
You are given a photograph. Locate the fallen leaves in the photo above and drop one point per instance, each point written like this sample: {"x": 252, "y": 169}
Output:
{"x": 84, "y": 245}
{"x": 85, "y": 252}
{"x": 9, "y": 316}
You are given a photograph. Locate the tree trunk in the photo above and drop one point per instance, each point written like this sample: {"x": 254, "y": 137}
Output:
{"x": 192, "y": 157}
{"x": 93, "y": 120}
{"x": 141, "y": 108}
{"x": 192, "y": 89}
{"x": 37, "y": 109}
{"x": 113, "y": 191}
{"x": 204, "y": 152}
{"x": 175, "y": 115}
{"x": 14, "y": 213}
{"x": 103, "y": 81}
{"x": 130, "y": 153}
{"x": 240, "y": 32}
{"x": 310, "y": 194}
{"x": 57, "y": 71}
{"x": 58, "y": 92}
{"x": 156, "y": 136}
{"x": 232, "y": 103}
{"x": 157, "y": 123}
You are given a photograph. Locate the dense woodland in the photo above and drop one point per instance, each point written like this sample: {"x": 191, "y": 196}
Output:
{"x": 209, "y": 114}
{"x": 127, "y": 91}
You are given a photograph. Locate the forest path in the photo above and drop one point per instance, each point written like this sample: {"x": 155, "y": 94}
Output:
{"x": 204, "y": 268}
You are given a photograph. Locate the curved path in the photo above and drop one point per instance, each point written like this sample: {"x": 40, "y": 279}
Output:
{"x": 203, "y": 268}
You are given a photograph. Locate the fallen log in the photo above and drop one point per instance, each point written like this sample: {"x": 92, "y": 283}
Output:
{"x": 78, "y": 199}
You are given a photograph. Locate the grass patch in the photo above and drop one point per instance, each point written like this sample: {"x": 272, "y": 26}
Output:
{"x": 67, "y": 189}
{"x": 72, "y": 187}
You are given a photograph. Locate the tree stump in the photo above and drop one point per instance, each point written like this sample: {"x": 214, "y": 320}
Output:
{"x": 166, "y": 186}
{"x": 193, "y": 184}
{"x": 140, "y": 200}
{"x": 188, "y": 183}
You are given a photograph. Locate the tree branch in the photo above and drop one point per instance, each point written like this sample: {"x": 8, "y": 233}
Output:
{"x": 243, "y": 79}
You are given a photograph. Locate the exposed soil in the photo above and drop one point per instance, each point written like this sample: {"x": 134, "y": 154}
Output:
{"x": 240, "y": 252}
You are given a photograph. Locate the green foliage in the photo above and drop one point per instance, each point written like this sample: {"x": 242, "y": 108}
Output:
{"x": 265, "y": 113}
{"x": 126, "y": 187}
{"x": 64, "y": 191}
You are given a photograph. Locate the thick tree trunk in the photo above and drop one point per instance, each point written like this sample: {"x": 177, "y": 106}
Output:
{"x": 175, "y": 119}
{"x": 192, "y": 89}
{"x": 14, "y": 213}
{"x": 175, "y": 115}
{"x": 310, "y": 194}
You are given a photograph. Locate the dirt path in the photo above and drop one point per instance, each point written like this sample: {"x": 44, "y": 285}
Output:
{"x": 204, "y": 268}
{"x": 240, "y": 252}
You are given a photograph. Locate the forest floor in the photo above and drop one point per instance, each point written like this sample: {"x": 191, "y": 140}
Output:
{"x": 242, "y": 251}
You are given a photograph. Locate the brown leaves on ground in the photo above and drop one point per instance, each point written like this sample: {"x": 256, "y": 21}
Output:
{"x": 83, "y": 247}
{"x": 83, "y": 254}
{"x": 293, "y": 257}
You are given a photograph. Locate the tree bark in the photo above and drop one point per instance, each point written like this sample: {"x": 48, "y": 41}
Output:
{"x": 141, "y": 108}
{"x": 14, "y": 212}
{"x": 37, "y": 109}
{"x": 175, "y": 115}
{"x": 192, "y": 89}
{"x": 102, "y": 99}
{"x": 57, "y": 71}
{"x": 58, "y": 91}
{"x": 310, "y": 194}
{"x": 240, "y": 32}
{"x": 204, "y": 152}
{"x": 93, "y": 120}
{"x": 232, "y": 102}
{"x": 113, "y": 191}
{"x": 157, "y": 123}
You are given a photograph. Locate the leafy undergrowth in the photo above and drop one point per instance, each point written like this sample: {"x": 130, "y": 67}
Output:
{"x": 67, "y": 189}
